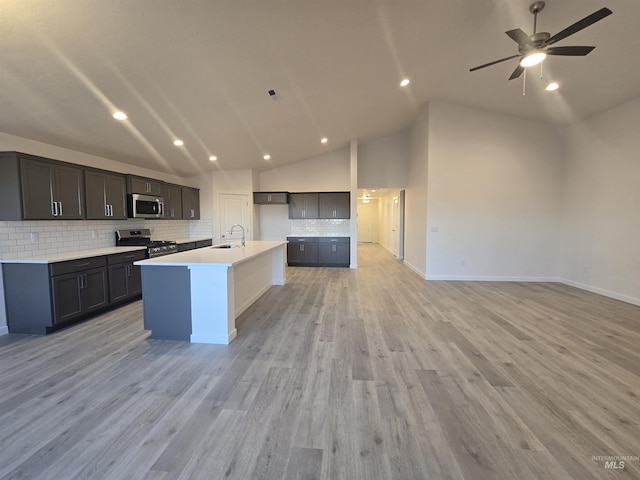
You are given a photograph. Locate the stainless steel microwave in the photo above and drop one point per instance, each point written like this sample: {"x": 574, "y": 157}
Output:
{"x": 145, "y": 206}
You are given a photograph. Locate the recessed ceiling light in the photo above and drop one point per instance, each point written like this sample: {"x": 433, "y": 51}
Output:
{"x": 120, "y": 116}
{"x": 552, "y": 86}
{"x": 178, "y": 143}
{"x": 267, "y": 157}
{"x": 405, "y": 82}
{"x": 213, "y": 158}
{"x": 324, "y": 140}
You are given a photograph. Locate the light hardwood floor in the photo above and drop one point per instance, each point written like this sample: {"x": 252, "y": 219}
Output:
{"x": 340, "y": 374}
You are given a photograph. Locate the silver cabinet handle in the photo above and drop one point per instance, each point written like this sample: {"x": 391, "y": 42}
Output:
{"x": 111, "y": 210}
{"x": 60, "y": 203}
{"x": 106, "y": 210}
{"x": 54, "y": 209}
{"x": 78, "y": 265}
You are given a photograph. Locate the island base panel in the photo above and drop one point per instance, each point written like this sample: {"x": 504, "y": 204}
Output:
{"x": 167, "y": 302}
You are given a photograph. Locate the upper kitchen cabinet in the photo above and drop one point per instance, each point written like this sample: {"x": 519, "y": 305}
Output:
{"x": 334, "y": 205}
{"x": 35, "y": 188}
{"x": 143, "y": 185}
{"x": 303, "y": 205}
{"x": 105, "y": 195}
{"x": 270, "y": 198}
{"x": 172, "y": 195}
{"x": 190, "y": 203}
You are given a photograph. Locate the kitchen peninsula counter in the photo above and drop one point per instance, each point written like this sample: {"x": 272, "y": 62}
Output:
{"x": 196, "y": 295}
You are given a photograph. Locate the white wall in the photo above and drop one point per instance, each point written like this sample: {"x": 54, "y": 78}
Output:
{"x": 383, "y": 162}
{"x": 601, "y": 204}
{"x": 415, "y": 246}
{"x": 494, "y": 190}
{"x": 330, "y": 172}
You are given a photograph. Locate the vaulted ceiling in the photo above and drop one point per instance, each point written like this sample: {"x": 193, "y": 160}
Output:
{"x": 199, "y": 71}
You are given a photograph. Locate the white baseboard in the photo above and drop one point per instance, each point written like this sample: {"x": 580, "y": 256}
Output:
{"x": 601, "y": 291}
{"x": 489, "y": 278}
{"x": 4, "y": 330}
{"x": 241, "y": 308}
{"x": 416, "y": 270}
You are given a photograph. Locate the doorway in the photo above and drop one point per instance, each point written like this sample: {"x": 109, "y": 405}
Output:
{"x": 234, "y": 209}
{"x": 365, "y": 223}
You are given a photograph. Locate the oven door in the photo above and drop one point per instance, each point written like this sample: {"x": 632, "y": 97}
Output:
{"x": 145, "y": 206}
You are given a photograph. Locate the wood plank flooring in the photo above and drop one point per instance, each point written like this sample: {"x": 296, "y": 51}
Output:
{"x": 340, "y": 374}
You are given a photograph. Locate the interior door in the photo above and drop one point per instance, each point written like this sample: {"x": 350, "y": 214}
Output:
{"x": 234, "y": 209}
{"x": 365, "y": 223}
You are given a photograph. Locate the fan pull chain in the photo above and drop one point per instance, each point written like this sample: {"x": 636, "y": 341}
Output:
{"x": 524, "y": 83}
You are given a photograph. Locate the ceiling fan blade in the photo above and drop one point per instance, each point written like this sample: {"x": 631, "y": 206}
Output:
{"x": 571, "y": 51}
{"x": 519, "y": 37}
{"x": 494, "y": 62}
{"x": 517, "y": 72}
{"x": 579, "y": 25}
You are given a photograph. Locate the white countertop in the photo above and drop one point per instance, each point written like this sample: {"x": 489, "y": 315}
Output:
{"x": 213, "y": 256}
{"x": 63, "y": 257}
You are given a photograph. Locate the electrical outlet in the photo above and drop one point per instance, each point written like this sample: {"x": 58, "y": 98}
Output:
{"x": 93, "y": 234}
{"x": 35, "y": 237}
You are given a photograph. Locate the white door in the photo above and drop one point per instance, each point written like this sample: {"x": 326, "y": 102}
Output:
{"x": 234, "y": 209}
{"x": 365, "y": 223}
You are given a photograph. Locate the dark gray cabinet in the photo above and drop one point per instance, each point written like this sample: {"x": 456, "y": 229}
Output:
{"x": 318, "y": 251}
{"x": 334, "y": 251}
{"x": 270, "y": 198}
{"x": 125, "y": 278}
{"x": 105, "y": 195}
{"x": 303, "y": 205}
{"x": 78, "y": 287}
{"x": 183, "y": 247}
{"x": 334, "y": 205}
{"x": 302, "y": 251}
{"x": 143, "y": 185}
{"x": 35, "y": 188}
{"x": 190, "y": 203}
{"x": 172, "y": 195}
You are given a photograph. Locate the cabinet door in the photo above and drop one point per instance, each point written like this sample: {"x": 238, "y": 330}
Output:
{"x": 327, "y": 205}
{"x": 69, "y": 192}
{"x": 67, "y": 298}
{"x": 135, "y": 280}
{"x": 37, "y": 189}
{"x": 95, "y": 195}
{"x": 175, "y": 207}
{"x": 94, "y": 290}
{"x": 118, "y": 289}
{"x": 303, "y": 205}
{"x": 296, "y": 205}
{"x": 139, "y": 185}
{"x": 115, "y": 194}
{"x": 155, "y": 188}
{"x": 279, "y": 198}
{"x": 343, "y": 205}
{"x": 260, "y": 198}
{"x": 190, "y": 203}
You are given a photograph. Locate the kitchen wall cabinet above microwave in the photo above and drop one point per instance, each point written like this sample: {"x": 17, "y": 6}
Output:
{"x": 36, "y": 188}
{"x": 143, "y": 185}
{"x": 270, "y": 198}
{"x": 324, "y": 205}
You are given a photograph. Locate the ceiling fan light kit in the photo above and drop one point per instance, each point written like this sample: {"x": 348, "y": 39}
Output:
{"x": 533, "y": 49}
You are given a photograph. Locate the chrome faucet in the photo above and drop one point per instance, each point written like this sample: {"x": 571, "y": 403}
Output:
{"x": 230, "y": 232}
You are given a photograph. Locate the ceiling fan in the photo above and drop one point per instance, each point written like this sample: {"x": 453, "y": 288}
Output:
{"x": 533, "y": 49}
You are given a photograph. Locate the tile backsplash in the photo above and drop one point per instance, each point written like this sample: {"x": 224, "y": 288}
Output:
{"x": 320, "y": 227}
{"x": 34, "y": 238}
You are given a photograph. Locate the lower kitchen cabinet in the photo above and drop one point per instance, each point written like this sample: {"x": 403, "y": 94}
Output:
{"x": 42, "y": 297}
{"x": 125, "y": 278}
{"x": 302, "y": 251}
{"x": 318, "y": 251}
{"x": 334, "y": 251}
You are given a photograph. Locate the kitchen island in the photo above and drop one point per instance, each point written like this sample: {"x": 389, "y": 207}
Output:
{"x": 197, "y": 295}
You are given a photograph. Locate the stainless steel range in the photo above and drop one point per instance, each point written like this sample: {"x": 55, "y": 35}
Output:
{"x": 142, "y": 237}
